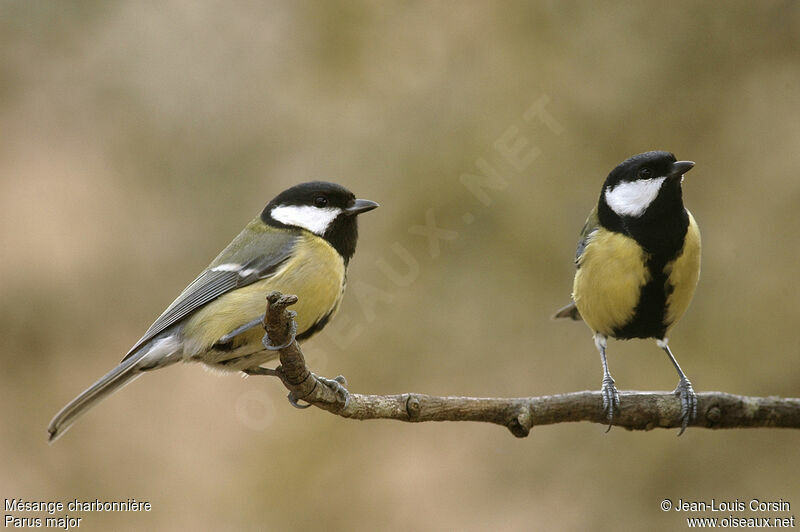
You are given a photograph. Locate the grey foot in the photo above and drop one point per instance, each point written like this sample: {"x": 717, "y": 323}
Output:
{"x": 610, "y": 399}
{"x": 292, "y": 333}
{"x": 337, "y": 386}
{"x": 688, "y": 403}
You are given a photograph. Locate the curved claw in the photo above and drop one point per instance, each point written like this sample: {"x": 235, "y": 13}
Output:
{"x": 293, "y": 401}
{"x": 688, "y": 399}
{"x": 292, "y": 333}
{"x": 337, "y": 386}
{"x": 610, "y": 399}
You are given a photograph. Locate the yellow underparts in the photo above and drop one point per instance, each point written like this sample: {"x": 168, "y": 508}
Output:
{"x": 610, "y": 276}
{"x": 612, "y": 272}
{"x": 683, "y": 274}
{"x": 317, "y": 279}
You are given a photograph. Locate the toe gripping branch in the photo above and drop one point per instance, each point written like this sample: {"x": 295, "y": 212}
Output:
{"x": 281, "y": 329}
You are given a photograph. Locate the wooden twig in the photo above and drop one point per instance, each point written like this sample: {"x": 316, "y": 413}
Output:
{"x": 637, "y": 411}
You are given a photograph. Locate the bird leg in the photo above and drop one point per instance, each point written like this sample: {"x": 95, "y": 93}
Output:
{"x": 609, "y": 391}
{"x": 258, "y": 370}
{"x": 239, "y": 330}
{"x": 684, "y": 389}
{"x": 337, "y": 385}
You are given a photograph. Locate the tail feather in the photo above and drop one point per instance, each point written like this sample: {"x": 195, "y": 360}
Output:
{"x": 108, "y": 384}
{"x": 569, "y": 311}
{"x": 162, "y": 351}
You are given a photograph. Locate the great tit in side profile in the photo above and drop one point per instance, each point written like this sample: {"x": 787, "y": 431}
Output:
{"x": 638, "y": 262}
{"x": 301, "y": 244}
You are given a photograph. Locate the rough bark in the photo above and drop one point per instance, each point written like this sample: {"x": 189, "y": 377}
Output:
{"x": 637, "y": 411}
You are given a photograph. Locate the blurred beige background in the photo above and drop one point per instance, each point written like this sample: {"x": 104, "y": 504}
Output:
{"x": 139, "y": 137}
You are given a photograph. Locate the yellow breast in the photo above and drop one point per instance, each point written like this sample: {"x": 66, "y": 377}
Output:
{"x": 612, "y": 271}
{"x": 683, "y": 274}
{"x": 315, "y": 274}
{"x": 607, "y": 284}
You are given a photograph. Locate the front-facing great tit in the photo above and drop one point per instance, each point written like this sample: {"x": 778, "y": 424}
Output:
{"x": 638, "y": 262}
{"x": 301, "y": 244}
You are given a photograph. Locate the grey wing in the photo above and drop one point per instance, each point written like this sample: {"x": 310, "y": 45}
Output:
{"x": 587, "y": 232}
{"x": 220, "y": 277}
{"x": 591, "y": 225}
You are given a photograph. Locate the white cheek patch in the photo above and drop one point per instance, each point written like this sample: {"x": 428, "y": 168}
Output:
{"x": 631, "y": 198}
{"x": 315, "y": 219}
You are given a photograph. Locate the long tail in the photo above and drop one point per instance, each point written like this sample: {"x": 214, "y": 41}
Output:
{"x": 115, "y": 379}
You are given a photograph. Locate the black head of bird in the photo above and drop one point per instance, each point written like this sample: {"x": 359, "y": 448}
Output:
{"x": 638, "y": 261}
{"x": 326, "y": 209}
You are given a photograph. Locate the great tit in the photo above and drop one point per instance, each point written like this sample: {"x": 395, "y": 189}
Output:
{"x": 300, "y": 244}
{"x": 638, "y": 262}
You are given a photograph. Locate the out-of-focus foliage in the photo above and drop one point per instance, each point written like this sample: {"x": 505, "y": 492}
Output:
{"x": 138, "y": 137}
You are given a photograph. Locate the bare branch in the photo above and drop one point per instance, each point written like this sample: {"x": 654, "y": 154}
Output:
{"x": 638, "y": 410}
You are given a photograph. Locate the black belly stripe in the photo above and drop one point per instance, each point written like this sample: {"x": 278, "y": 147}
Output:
{"x": 308, "y": 333}
{"x": 650, "y": 315}
{"x": 665, "y": 247}
{"x": 225, "y": 346}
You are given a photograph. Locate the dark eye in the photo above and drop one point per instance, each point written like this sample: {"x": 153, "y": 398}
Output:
{"x": 320, "y": 201}
{"x": 644, "y": 173}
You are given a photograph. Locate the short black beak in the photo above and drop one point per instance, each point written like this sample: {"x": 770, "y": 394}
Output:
{"x": 359, "y": 206}
{"x": 681, "y": 167}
